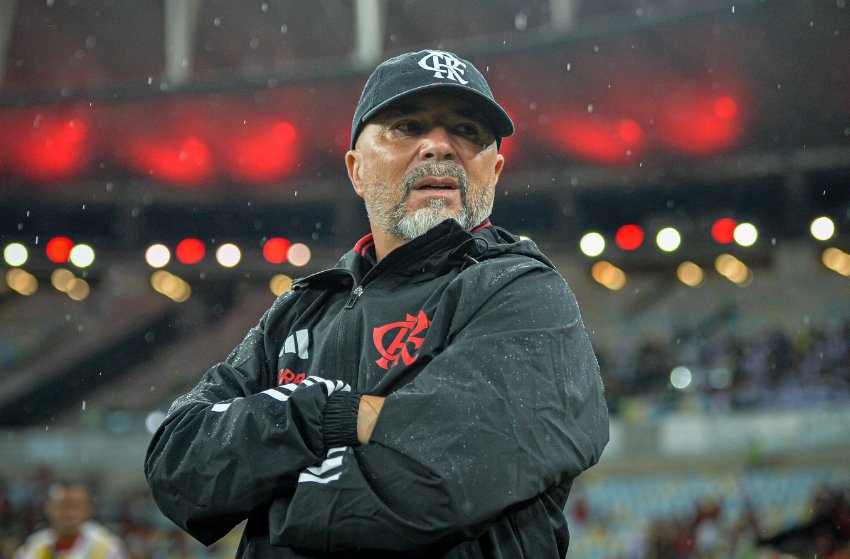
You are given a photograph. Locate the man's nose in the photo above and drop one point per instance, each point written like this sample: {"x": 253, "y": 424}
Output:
{"x": 437, "y": 145}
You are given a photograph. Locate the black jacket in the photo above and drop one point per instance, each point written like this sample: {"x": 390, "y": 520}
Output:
{"x": 494, "y": 405}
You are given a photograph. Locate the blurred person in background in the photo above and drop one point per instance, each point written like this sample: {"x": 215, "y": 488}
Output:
{"x": 434, "y": 395}
{"x": 71, "y": 532}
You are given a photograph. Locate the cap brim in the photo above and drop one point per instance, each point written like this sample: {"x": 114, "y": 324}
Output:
{"x": 499, "y": 120}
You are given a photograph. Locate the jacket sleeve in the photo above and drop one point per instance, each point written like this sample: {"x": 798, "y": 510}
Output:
{"x": 232, "y": 444}
{"x": 511, "y": 406}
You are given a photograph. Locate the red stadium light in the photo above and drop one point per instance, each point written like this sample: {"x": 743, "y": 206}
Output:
{"x": 700, "y": 124}
{"x": 187, "y": 163}
{"x": 190, "y": 251}
{"x": 723, "y": 230}
{"x": 596, "y": 138}
{"x": 58, "y": 249}
{"x": 264, "y": 153}
{"x": 629, "y": 237}
{"x": 47, "y": 147}
{"x": 276, "y": 250}
{"x": 630, "y": 132}
{"x": 725, "y": 108}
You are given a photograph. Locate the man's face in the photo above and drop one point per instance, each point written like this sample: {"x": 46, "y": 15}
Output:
{"x": 423, "y": 160}
{"x": 68, "y": 506}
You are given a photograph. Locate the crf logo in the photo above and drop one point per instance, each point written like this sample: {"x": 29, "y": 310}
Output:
{"x": 407, "y": 338}
{"x": 444, "y": 65}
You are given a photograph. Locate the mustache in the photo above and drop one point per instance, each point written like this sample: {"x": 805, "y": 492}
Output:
{"x": 446, "y": 168}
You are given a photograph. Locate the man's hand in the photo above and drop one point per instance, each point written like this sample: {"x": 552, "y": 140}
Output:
{"x": 367, "y": 415}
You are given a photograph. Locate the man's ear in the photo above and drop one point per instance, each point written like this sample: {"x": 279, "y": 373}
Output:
{"x": 497, "y": 170}
{"x": 354, "y": 168}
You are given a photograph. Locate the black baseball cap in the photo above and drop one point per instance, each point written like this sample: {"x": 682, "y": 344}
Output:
{"x": 414, "y": 72}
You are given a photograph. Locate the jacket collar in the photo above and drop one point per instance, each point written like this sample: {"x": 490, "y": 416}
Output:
{"x": 365, "y": 247}
{"x": 428, "y": 254}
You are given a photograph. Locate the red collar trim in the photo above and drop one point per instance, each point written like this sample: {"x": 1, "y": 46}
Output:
{"x": 364, "y": 244}
{"x": 483, "y": 225}
{"x": 368, "y": 241}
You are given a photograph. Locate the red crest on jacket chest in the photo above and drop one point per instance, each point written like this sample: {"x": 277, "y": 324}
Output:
{"x": 405, "y": 337}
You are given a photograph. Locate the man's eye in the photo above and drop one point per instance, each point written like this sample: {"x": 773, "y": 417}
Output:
{"x": 467, "y": 129}
{"x": 408, "y": 126}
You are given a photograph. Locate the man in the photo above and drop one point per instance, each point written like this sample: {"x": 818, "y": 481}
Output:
{"x": 71, "y": 534}
{"x": 433, "y": 395}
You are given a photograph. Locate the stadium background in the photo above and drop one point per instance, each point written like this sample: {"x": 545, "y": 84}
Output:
{"x": 165, "y": 167}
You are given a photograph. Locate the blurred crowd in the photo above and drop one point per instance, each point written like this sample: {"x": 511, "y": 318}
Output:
{"x": 703, "y": 535}
{"x": 721, "y": 371}
{"x": 131, "y": 515}
{"x": 708, "y": 532}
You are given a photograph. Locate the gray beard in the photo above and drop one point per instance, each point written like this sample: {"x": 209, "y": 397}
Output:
{"x": 408, "y": 226}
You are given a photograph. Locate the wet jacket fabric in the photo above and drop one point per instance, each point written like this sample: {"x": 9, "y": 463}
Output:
{"x": 494, "y": 404}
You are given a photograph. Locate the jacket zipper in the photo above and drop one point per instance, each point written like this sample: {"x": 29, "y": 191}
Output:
{"x": 341, "y": 350}
{"x": 358, "y": 291}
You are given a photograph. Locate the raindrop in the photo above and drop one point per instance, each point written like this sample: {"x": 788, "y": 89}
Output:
{"x": 50, "y": 3}
{"x": 264, "y": 7}
{"x": 590, "y": 108}
{"x": 284, "y": 28}
{"x": 595, "y": 48}
{"x": 217, "y": 21}
{"x": 91, "y": 42}
{"x": 733, "y": 9}
{"x": 84, "y": 405}
{"x": 639, "y": 12}
{"x": 569, "y": 66}
{"x": 255, "y": 43}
